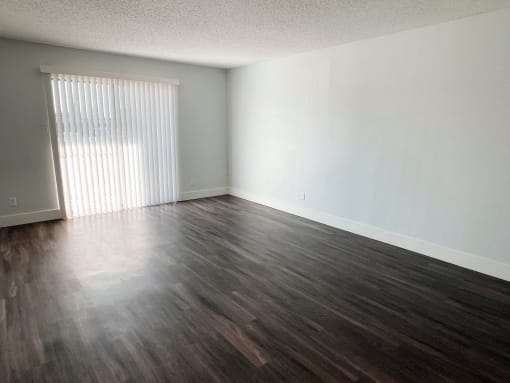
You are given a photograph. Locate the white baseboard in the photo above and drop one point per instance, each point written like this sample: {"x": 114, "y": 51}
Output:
{"x": 47, "y": 215}
{"x": 34, "y": 216}
{"x": 203, "y": 193}
{"x": 469, "y": 261}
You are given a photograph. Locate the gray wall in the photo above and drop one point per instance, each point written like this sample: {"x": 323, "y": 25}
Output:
{"x": 409, "y": 133}
{"x": 26, "y": 167}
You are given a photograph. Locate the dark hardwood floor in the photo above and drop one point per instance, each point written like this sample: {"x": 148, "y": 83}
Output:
{"x": 224, "y": 290}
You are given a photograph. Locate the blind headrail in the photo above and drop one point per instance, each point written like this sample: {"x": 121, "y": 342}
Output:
{"x": 122, "y": 76}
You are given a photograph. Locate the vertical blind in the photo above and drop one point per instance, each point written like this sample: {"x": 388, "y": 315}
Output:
{"x": 116, "y": 142}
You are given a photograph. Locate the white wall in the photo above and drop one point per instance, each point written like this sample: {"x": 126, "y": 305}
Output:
{"x": 26, "y": 167}
{"x": 403, "y": 138}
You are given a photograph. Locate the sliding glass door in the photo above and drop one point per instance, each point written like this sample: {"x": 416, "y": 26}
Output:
{"x": 116, "y": 142}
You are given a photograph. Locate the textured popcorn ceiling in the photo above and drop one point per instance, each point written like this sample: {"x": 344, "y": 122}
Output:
{"x": 221, "y": 32}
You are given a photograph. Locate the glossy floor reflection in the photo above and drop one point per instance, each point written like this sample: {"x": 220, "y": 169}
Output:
{"x": 224, "y": 290}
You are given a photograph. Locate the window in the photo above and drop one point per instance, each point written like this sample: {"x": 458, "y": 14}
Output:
{"x": 116, "y": 142}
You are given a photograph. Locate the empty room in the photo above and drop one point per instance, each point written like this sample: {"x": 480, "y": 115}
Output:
{"x": 241, "y": 191}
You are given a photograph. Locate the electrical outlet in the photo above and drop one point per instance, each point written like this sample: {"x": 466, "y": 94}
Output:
{"x": 13, "y": 202}
{"x": 302, "y": 195}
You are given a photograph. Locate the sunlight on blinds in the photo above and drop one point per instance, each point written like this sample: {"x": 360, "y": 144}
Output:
{"x": 116, "y": 142}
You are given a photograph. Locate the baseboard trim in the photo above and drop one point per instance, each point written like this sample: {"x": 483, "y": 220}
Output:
{"x": 203, "y": 193}
{"x": 456, "y": 257}
{"x": 31, "y": 217}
